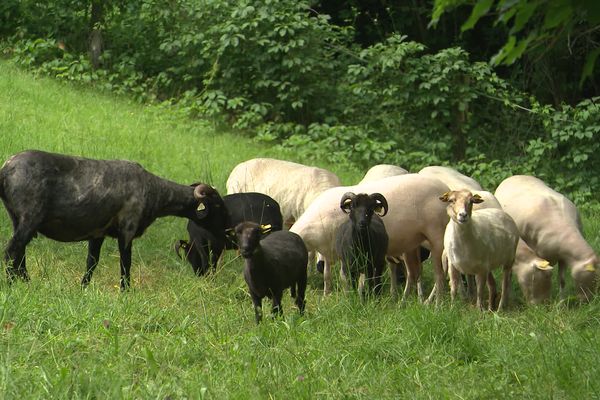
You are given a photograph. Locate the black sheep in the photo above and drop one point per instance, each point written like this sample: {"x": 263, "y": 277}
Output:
{"x": 361, "y": 242}
{"x": 205, "y": 246}
{"x": 72, "y": 199}
{"x": 272, "y": 264}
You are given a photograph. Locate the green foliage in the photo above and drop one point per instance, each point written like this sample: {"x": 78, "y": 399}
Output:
{"x": 177, "y": 336}
{"x": 285, "y": 74}
{"x": 532, "y": 24}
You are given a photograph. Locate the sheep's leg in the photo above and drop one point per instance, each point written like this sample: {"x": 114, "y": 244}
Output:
{"x": 277, "y": 310}
{"x": 480, "y": 279}
{"x": 93, "y": 257}
{"x": 15, "y": 250}
{"x": 326, "y": 277}
{"x": 215, "y": 253}
{"x": 202, "y": 248}
{"x": 493, "y": 291}
{"x": 376, "y": 281}
{"x": 471, "y": 287}
{"x": 413, "y": 272}
{"x": 346, "y": 276}
{"x": 362, "y": 278}
{"x": 455, "y": 282}
{"x": 506, "y": 279}
{"x": 562, "y": 294}
{"x": 125, "y": 262}
{"x": 394, "y": 280}
{"x": 257, "y": 302}
{"x": 300, "y": 293}
{"x": 440, "y": 279}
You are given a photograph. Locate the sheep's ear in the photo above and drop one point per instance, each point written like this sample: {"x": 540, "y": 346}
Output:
{"x": 201, "y": 210}
{"x": 264, "y": 229}
{"x": 445, "y": 197}
{"x": 476, "y": 199}
{"x": 544, "y": 266}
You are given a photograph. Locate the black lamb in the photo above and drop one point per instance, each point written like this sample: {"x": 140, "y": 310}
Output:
{"x": 272, "y": 264}
{"x": 72, "y": 199}
{"x": 361, "y": 242}
{"x": 205, "y": 246}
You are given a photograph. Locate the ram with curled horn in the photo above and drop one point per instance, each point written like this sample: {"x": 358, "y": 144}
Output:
{"x": 361, "y": 241}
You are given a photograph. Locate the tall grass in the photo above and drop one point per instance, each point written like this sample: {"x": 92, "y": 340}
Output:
{"x": 178, "y": 336}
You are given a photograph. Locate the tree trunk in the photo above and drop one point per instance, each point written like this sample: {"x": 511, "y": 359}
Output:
{"x": 96, "y": 42}
{"x": 459, "y": 145}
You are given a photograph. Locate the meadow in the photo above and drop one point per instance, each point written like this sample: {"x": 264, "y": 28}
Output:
{"x": 177, "y": 336}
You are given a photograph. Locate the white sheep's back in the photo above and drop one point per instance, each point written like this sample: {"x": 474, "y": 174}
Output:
{"x": 451, "y": 177}
{"x": 381, "y": 171}
{"x": 294, "y": 186}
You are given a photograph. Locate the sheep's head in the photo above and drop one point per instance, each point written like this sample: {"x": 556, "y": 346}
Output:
{"x": 209, "y": 201}
{"x": 248, "y": 236}
{"x": 460, "y": 204}
{"x": 362, "y": 206}
{"x": 585, "y": 276}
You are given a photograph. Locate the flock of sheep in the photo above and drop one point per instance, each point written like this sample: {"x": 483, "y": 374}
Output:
{"x": 390, "y": 215}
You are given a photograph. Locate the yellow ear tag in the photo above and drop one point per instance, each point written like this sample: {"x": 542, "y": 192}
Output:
{"x": 544, "y": 265}
{"x": 201, "y": 207}
{"x": 590, "y": 268}
{"x": 265, "y": 228}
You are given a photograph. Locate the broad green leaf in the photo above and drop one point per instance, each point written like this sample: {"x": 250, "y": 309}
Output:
{"x": 588, "y": 67}
{"x": 502, "y": 53}
{"x": 525, "y": 12}
{"x": 517, "y": 50}
{"x": 558, "y": 13}
{"x": 479, "y": 10}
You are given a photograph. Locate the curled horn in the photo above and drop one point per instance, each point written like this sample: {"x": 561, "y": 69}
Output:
{"x": 203, "y": 190}
{"x": 378, "y": 197}
{"x": 346, "y": 202}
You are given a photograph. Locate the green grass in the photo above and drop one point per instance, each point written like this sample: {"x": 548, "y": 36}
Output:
{"x": 177, "y": 336}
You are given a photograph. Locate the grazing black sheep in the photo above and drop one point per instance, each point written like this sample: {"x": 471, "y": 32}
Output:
{"x": 206, "y": 245}
{"x": 272, "y": 264}
{"x": 71, "y": 199}
{"x": 361, "y": 241}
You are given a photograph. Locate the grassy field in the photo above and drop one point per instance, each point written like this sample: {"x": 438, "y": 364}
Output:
{"x": 176, "y": 336}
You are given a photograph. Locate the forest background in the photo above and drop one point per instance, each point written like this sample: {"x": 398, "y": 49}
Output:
{"x": 491, "y": 87}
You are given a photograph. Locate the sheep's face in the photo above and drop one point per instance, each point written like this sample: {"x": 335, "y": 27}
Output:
{"x": 362, "y": 206}
{"x": 585, "y": 276}
{"x": 248, "y": 236}
{"x": 209, "y": 201}
{"x": 460, "y": 204}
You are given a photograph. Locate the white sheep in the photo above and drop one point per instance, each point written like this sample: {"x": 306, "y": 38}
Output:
{"x": 415, "y": 214}
{"x": 551, "y": 226}
{"x": 294, "y": 186}
{"x": 534, "y": 274}
{"x": 381, "y": 171}
{"x": 478, "y": 241}
{"x": 457, "y": 181}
